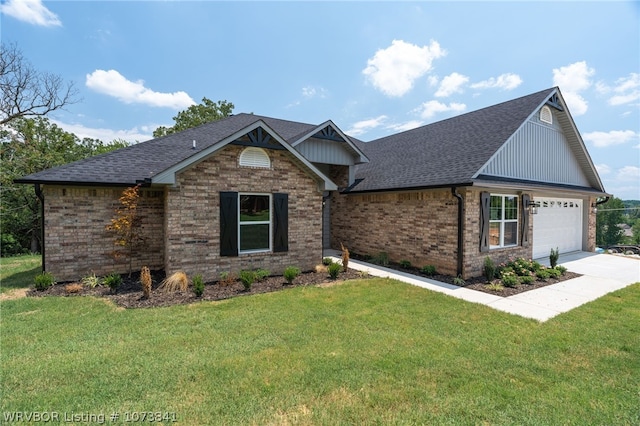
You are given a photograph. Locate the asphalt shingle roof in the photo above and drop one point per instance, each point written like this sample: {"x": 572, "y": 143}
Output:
{"x": 447, "y": 152}
{"x": 144, "y": 160}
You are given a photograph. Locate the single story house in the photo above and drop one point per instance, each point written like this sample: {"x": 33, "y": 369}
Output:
{"x": 510, "y": 180}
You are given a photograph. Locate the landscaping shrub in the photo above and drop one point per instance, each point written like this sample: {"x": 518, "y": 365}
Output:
{"x": 247, "y": 278}
{"x": 553, "y": 257}
{"x": 261, "y": 274}
{"x": 509, "y": 279}
{"x": 405, "y": 264}
{"x": 73, "y": 288}
{"x": 90, "y": 281}
{"x": 495, "y": 286}
{"x": 554, "y": 273}
{"x": 226, "y": 279}
{"x": 527, "y": 279}
{"x": 381, "y": 258}
{"x": 428, "y": 270}
{"x": 334, "y": 270}
{"x": 290, "y": 273}
{"x": 198, "y": 285}
{"x": 145, "y": 281}
{"x": 562, "y": 269}
{"x": 326, "y": 261}
{"x": 177, "y": 281}
{"x": 113, "y": 281}
{"x": 489, "y": 269}
{"x": 43, "y": 281}
{"x": 459, "y": 281}
{"x": 543, "y": 274}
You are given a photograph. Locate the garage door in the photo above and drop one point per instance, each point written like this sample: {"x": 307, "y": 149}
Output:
{"x": 558, "y": 223}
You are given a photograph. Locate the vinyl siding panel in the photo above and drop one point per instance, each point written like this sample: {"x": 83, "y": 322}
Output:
{"x": 538, "y": 152}
{"x": 327, "y": 152}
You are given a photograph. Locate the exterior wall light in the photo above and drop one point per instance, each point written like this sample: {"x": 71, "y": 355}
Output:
{"x": 533, "y": 207}
{"x": 594, "y": 208}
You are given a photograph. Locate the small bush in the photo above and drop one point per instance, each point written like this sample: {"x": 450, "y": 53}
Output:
{"x": 334, "y": 269}
{"x": 562, "y": 269}
{"x": 290, "y": 273}
{"x": 145, "y": 281}
{"x": 489, "y": 269}
{"x": 90, "y": 281}
{"x": 345, "y": 257}
{"x": 553, "y": 257}
{"x": 198, "y": 285}
{"x": 43, "y": 281}
{"x": 113, "y": 281}
{"x": 381, "y": 258}
{"x": 428, "y": 270}
{"x": 543, "y": 274}
{"x": 226, "y": 279}
{"x": 327, "y": 261}
{"x": 247, "y": 278}
{"x": 554, "y": 273}
{"x": 459, "y": 281}
{"x": 405, "y": 264}
{"x": 177, "y": 281}
{"x": 73, "y": 288}
{"x": 527, "y": 279}
{"x": 495, "y": 286}
{"x": 262, "y": 274}
{"x": 510, "y": 280}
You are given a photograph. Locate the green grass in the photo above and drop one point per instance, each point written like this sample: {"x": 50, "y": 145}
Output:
{"x": 18, "y": 272}
{"x": 365, "y": 352}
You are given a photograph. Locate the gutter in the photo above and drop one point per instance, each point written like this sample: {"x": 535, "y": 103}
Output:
{"x": 454, "y": 192}
{"x": 40, "y": 196}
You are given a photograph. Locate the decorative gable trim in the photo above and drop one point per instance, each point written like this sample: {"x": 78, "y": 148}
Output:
{"x": 168, "y": 176}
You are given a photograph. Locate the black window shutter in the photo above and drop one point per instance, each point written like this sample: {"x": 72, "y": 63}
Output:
{"x": 485, "y": 204}
{"x": 228, "y": 224}
{"x": 525, "y": 220}
{"x": 280, "y": 222}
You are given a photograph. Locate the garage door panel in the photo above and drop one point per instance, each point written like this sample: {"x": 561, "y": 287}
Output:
{"x": 558, "y": 223}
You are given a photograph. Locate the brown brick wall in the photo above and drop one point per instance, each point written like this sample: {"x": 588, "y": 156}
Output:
{"x": 76, "y": 241}
{"x": 192, "y": 236}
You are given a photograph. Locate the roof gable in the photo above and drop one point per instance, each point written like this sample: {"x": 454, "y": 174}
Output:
{"x": 326, "y": 143}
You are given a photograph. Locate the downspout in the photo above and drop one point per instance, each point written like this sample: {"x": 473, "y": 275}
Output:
{"x": 454, "y": 192}
{"x": 40, "y": 196}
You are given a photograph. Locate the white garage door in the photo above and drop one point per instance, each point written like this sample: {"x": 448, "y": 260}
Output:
{"x": 558, "y": 223}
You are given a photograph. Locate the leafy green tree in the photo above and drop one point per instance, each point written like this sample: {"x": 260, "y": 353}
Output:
{"x": 609, "y": 215}
{"x": 196, "y": 115}
{"x": 635, "y": 239}
{"x": 30, "y": 145}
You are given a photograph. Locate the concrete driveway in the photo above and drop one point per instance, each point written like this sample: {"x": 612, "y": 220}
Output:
{"x": 601, "y": 274}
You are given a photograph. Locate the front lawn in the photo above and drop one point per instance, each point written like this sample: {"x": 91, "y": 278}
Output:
{"x": 371, "y": 351}
{"x": 18, "y": 272}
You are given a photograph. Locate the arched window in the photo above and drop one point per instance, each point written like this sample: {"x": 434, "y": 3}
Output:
{"x": 255, "y": 157}
{"x": 545, "y": 115}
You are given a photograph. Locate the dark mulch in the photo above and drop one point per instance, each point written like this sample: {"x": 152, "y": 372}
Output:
{"x": 477, "y": 283}
{"x": 130, "y": 295}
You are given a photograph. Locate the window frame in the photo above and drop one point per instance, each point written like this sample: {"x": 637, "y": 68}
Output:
{"x": 248, "y": 223}
{"x": 503, "y": 221}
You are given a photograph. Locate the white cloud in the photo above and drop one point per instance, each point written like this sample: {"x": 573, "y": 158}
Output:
{"x": 108, "y": 135}
{"x": 394, "y": 70}
{"x": 313, "y": 92}
{"x": 573, "y": 79}
{"x": 603, "y": 169}
{"x": 451, "y": 84}
{"x": 613, "y": 137}
{"x": 507, "y": 81}
{"x": 625, "y": 90}
{"x": 31, "y": 11}
{"x": 112, "y": 83}
{"x": 362, "y": 127}
{"x": 429, "y": 109}
{"x": 629, "y": 173}
{"x": 401, "y": 127}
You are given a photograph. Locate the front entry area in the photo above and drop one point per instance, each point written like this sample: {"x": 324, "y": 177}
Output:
{"x": 558, "y": 223}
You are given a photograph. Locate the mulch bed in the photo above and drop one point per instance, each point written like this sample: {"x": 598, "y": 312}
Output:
{"x": 130, "y": 295}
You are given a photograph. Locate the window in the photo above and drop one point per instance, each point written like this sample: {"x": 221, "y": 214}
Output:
{"x": 255, "y": 157}
{"x": 255, "y": 222}
{"x": 251, "y": 223}
{"x": 503, "y": 221}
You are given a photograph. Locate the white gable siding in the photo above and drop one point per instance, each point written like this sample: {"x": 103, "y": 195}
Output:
{"x": 325, "y": 151}
{"x": 538, "y": 152}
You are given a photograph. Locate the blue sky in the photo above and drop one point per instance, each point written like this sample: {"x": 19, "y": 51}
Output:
{"x": 374, "y": 68}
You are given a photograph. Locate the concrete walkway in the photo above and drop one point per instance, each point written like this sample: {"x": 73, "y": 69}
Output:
{"x": 601, "y": 274}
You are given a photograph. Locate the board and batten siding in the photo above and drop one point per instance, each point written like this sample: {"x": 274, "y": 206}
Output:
{"x": 538, "y": 152}
{"x": 327, "y": 152}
